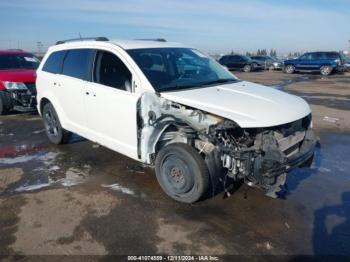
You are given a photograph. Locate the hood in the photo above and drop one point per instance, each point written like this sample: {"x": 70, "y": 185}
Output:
{"x": 25, "y": 75}
{"x": 248, "y": 104}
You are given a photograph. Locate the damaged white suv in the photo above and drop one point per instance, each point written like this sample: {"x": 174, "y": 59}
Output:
{"x": 176, "y": 109}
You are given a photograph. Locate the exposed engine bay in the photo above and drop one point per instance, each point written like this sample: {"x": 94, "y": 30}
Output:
{"x": 261, "y": 157}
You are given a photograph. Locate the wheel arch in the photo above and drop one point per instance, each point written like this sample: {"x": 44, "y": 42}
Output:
{"x": 44, "y": 100}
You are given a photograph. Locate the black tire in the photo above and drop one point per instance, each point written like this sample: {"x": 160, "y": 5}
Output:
{"x": 54, "y": 131}
{"x": 247, "y": 68}
{"x": 289, "y": 69}
{"x": 182, "y": 173}
{"x": 5, "y": 103}
{"x": 326, "y": 70}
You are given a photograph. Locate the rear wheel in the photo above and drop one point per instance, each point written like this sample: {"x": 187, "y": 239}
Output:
{"x": 326, "y": 70}
{"x": 54, "y": 130}
{"x": 289, "y": 69}
{"x": 182, "y": 173}
{"x": 247, "y": 68}
{"x": 5, "y": 103}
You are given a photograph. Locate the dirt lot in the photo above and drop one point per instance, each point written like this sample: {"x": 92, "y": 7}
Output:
{"x": 84, "y": 199}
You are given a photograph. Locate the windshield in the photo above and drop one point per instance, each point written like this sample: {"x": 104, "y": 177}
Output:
{"x": 170, "y": 69}
{"x": 18, "y": 61}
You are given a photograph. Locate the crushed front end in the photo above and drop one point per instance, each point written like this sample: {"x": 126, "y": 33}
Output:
{"x": 262, "y": 157}
{"x": 23, "y": 96}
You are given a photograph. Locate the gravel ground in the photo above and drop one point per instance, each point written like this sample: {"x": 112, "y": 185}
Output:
{"x": 84, "y": 199}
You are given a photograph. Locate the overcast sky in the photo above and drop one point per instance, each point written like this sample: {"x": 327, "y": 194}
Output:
{"x": 215, "y": 26}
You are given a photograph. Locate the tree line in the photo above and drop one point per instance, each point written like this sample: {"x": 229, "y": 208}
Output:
{"x": 272, "y": 53}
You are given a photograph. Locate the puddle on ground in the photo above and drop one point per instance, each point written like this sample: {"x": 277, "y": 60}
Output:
{"x": 341, "y": 102}
{"x": 330, "y": 160}
{"x": 42, "y": 168}
{"x": 304, "y": 78}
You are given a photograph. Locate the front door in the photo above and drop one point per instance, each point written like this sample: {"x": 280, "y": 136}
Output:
{"x": 304, "y": 62}
{"x": 111, "y": 105}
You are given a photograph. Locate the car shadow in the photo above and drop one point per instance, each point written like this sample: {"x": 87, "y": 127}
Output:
{"x": 330, "y": 238}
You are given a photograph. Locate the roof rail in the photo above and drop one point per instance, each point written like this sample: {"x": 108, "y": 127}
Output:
{"x": 153, "y": 39}
{"x": 100, "y": 38}
{"x": 15, "y": 49}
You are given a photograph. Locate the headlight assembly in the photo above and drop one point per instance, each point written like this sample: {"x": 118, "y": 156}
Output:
{"x": 14, "y": 85}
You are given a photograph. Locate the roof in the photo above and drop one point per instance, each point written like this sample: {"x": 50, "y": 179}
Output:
{"x": 137, "y": 44}
{"x": 13, "y": 52}
{"x": 125, "y": 44}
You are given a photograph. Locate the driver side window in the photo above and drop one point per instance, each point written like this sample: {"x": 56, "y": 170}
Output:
{"x": 306, "y": 57}
{"x": 110, "y": 71}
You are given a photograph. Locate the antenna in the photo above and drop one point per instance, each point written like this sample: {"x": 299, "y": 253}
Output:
{"x": 79, "y": 35}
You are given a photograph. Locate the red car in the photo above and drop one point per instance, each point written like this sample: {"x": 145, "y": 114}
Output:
{"x": 17, "y": 81}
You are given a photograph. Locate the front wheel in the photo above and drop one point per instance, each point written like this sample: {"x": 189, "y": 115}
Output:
{"x": 289, "y": 69}
{"x": 326, "y": 70}
{"x": 54, "y": 130}
{"x": 182, "y": 173}
{"x": 247, "y": 68}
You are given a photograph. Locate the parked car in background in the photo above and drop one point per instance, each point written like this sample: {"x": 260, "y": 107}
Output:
{"x": 17, "y": 81}
{"x": 347, "y": 64}
{"x": 323, "y": 62}
{"x": 241, "y": 62}
{"x": 175, "y": 109}
{"x": 268, "y": 62}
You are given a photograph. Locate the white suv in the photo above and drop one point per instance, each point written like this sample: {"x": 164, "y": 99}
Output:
{"x": 176, "y": 109}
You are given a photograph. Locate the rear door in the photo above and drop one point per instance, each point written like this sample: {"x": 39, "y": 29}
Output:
{"x": 76, "y": 71}
{"x": 111, "y": 104}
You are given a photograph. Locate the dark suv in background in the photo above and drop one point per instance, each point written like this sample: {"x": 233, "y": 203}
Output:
{"x": 269, "y": 63}
{"x": 323, "y": 62}
{"x": 240, "y": 62}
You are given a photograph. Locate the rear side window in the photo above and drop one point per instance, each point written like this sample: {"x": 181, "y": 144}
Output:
{"x": 54, "y": 63}
{"x": 331, "y": 55}
{"x": 306, "y": 56}
{"x": 78, "y": 63}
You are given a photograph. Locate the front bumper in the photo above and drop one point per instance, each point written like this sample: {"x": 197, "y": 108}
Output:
{"x": 258, "y": 67}
{"x": 278, "y": 66}
{"x": 24, "y": 100}
{"x": 267, "y": 167}
{"x": 305, "y": 153}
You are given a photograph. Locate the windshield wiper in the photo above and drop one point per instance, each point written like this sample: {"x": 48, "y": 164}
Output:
{"x": 180, "y": 87}
{"x": 218, "y": 81}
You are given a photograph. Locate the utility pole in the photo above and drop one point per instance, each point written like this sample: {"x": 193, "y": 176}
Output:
{"x": 39, "y": 45}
